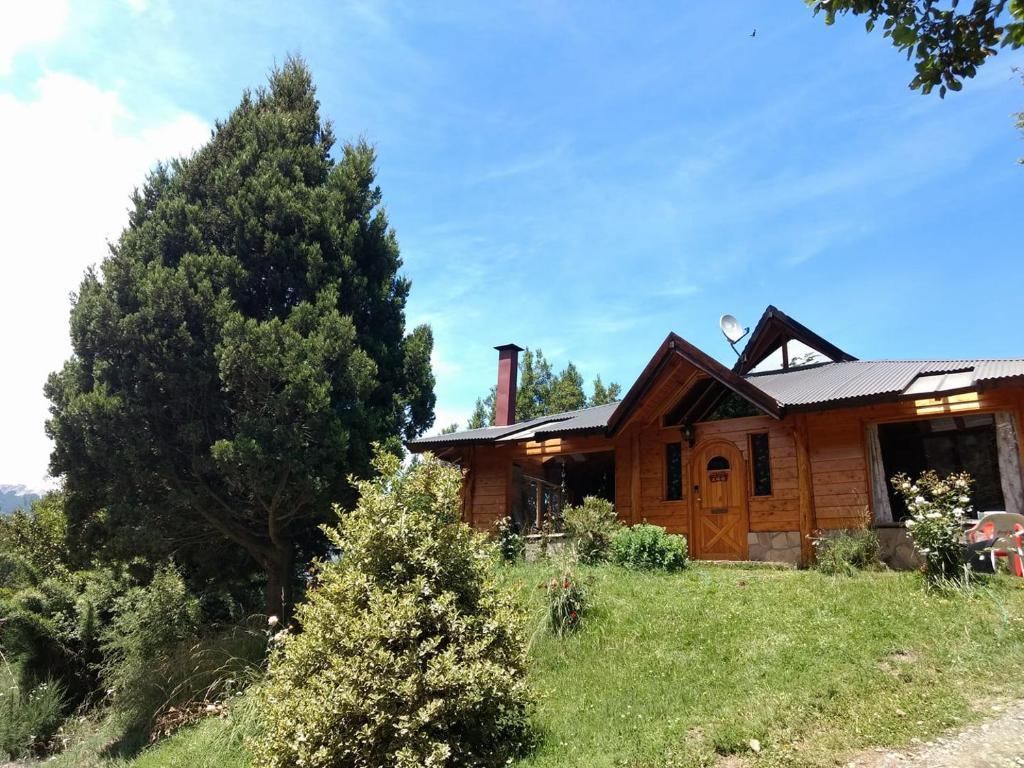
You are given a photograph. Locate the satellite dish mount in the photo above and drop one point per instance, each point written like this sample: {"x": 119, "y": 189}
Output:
{"x": 733, "y": 331}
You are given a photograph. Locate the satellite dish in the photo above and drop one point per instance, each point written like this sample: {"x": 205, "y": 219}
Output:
{"x": 732, "y": 330}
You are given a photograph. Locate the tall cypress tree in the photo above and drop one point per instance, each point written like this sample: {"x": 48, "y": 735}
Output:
{"x": 242, "y": 346}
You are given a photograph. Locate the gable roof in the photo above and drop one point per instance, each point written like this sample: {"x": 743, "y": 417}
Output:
{"x": 776, "y": 327}
{"x": 678, "y": 346}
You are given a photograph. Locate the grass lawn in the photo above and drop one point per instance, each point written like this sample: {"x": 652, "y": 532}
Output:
{"x": 678, "y": 670}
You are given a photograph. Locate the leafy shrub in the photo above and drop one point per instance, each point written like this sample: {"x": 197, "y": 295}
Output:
{"x": 50, "y": 628}
{"x": 938, "y": 507}
{"x": 649, "y": 547}
{"x": 28, "y": 718}
{"x": 846, "y": 552}
{"x": 511, "y": 544}
{"x": 592, "y": 527}
{"x": 52, "y": 614}
{"x": 38, "y": 535}
{"x": 567, "y": 602}
{"x": 143, "y": 640}
{"x": 409, "y": 655}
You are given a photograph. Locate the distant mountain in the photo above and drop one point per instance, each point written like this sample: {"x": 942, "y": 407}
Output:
{"x": 14, "y": 497}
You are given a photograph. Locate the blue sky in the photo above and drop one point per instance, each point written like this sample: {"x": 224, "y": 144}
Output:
{"x": 578, "y": 177}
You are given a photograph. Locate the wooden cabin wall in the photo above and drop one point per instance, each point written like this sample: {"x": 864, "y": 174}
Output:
{"x": 778, "y": 512}
{"x": 488, "y": 486}
{"x": 839, "y": 467}
{"x": 839, "y": 471}
{"x": 781, "y": 510}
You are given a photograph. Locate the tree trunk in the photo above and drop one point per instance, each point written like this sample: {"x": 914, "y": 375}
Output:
{"x": 280, "y": 584}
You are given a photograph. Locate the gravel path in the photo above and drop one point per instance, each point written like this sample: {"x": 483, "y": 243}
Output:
{"x": 998, "y": 743}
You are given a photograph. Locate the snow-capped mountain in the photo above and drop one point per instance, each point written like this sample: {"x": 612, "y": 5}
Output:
{"x": 14, "y": 497}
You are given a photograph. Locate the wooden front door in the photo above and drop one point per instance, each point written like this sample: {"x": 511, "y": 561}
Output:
{"x": 720, "y": 502}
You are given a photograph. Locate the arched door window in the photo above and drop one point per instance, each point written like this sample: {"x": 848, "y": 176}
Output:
{"x": 718, "y": 462}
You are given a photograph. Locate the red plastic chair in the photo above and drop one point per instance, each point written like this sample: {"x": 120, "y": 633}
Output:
{"x": 1006, "y": 532}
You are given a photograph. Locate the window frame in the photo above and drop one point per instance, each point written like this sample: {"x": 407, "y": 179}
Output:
{"x": 880, "y": 424}
{"x": 752, "y": 473}
{"x": 682, "y": 474}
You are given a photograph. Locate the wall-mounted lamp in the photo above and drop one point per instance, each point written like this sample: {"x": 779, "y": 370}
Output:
{"x": 687, "y": 432}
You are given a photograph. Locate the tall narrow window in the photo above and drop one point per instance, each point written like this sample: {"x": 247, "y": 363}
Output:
{"x": 761, "y": 464}
{"x": 673, "y": 471}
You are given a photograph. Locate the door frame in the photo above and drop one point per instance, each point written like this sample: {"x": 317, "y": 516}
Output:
{"x": 693, "y": 475}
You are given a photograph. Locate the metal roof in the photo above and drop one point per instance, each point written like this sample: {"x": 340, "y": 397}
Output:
{"x": 821, "y": 385}
{"x": 482, "y": 435}
{"x": 863, "y": 379}
{"x": 586, "y": 420}
{"x": 582, "y": 419}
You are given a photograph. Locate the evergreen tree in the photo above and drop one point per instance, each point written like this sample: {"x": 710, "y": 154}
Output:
{"x": 566, "y": 392}
{"x": 242, "y": 347}
{"x": 604, "y": 395}
{"x": 482, "y": 415}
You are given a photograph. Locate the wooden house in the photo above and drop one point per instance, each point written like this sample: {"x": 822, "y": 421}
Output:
{"x": 749, "y": 463}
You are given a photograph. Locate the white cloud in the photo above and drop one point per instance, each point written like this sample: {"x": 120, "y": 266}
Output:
{"x": 27, "y": 24}
{"x": 71, "y": 154}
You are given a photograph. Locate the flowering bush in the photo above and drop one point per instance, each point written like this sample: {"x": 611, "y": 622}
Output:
{"x": 938, "y": 507}
{"x": 511, "y": 545}
{"x": 592, "y": 526}
{"x": 567, "y": 601}
{"x": 649, "y": 547}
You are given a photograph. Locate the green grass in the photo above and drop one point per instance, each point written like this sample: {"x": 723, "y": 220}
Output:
{"x": 677, "y": 670}
{"x": 210, "y": 744}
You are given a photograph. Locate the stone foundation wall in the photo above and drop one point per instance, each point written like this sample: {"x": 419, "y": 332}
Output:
{"x": 557, "y": 542}
{"x": 781, "y": 547}
{"x": 897, "y": 550}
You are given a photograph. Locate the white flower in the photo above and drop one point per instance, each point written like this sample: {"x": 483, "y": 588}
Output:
{"x": 933, "y": 515}
{"x": 919, "y": 500}
{"x": 272, "y": 620}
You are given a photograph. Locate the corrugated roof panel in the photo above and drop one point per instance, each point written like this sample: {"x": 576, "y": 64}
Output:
{"x": 835, "y": 381}
{"x": 585, "y": 420}
{"x": 986, "y": 370}
{"x": 487, "y": 434}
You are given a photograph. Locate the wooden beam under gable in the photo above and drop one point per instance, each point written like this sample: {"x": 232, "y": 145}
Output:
{"x": 805, "y": 488}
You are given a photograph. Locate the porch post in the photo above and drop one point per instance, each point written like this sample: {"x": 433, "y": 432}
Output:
{"x": 806, "y": 489}
{"x": 881, "y": 509}
{"x": 1008, "y": 453}
{"x": 634, "y": 479}
{"x": 540, "y": 506}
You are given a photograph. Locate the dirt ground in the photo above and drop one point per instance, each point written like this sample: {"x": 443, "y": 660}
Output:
{"x": 996, "y": 743}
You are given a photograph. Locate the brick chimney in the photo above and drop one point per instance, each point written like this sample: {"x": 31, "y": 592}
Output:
{"x": 508, "y": 373}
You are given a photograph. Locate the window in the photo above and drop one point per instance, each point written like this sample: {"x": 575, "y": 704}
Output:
{"x": 761, "y": 464}
{"x": 718, "y": 463}
{"x": 950, "y": 444}
{"x": 673, "y": 471}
